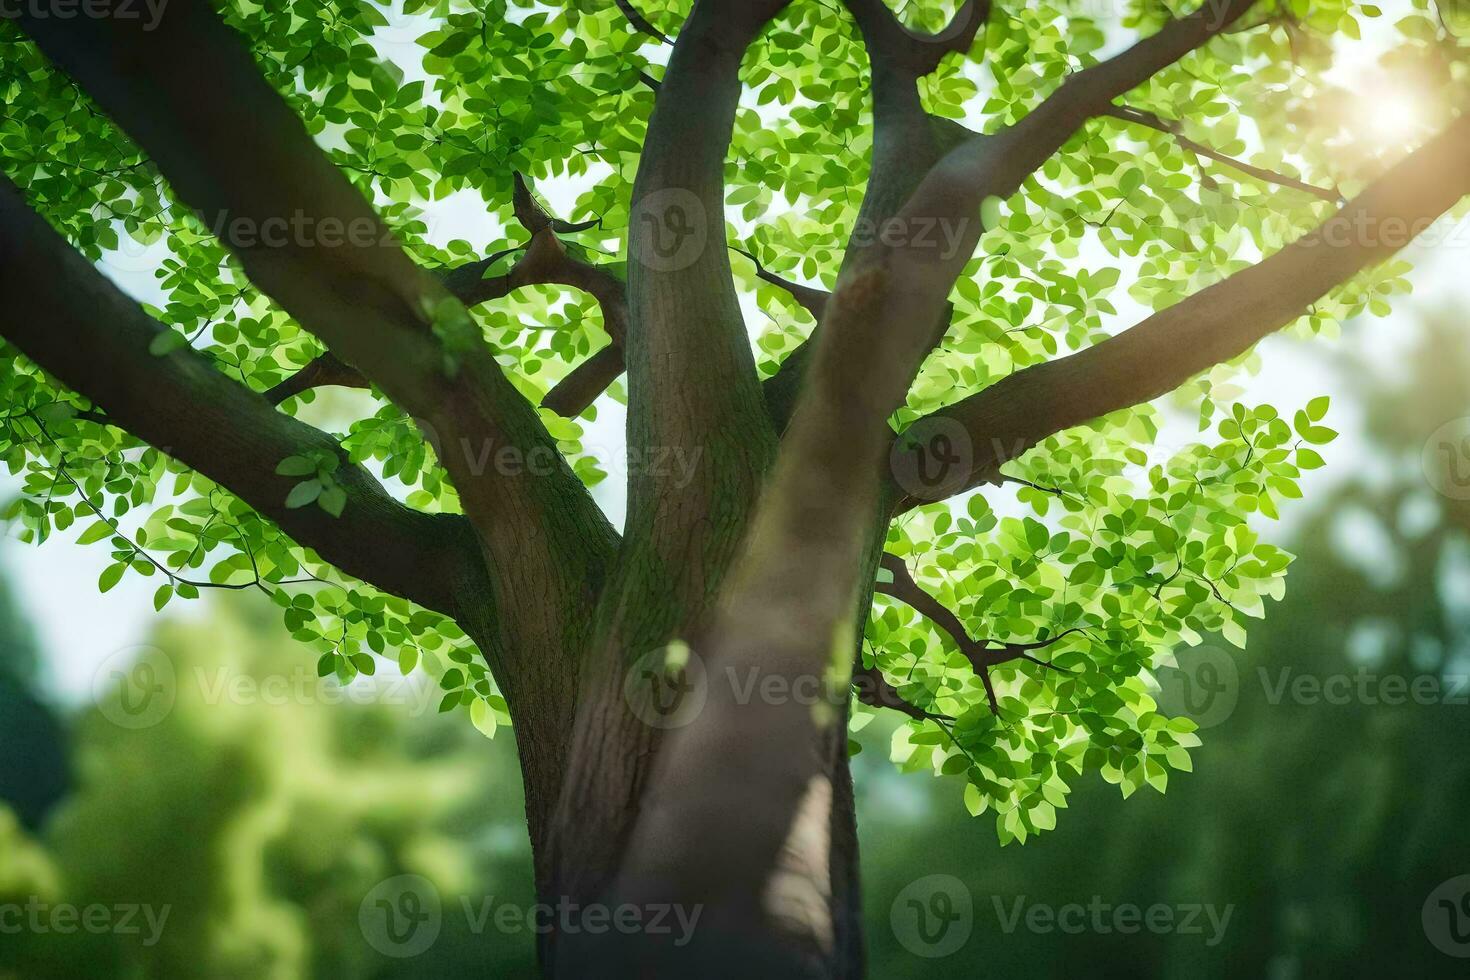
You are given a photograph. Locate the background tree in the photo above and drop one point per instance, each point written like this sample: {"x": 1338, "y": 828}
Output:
{"x": 972, "y": 261}
{"x": 255, "y": 827}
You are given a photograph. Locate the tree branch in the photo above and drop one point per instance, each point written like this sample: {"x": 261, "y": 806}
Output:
{"x": 874, "y": 690}
{"x": 953, "y": 187}
{"x": 1152, "y": 121}
{"x": 469, "y": 284}
{"x": 640, "y": 22}
{"x": 572, "y": 395}
{"x": 185, "y": 88}
{"x": 323, "y": 371}
{"x": 982, "y": 653}
{"x": 814, "y": 301}
{"x": 167, "y": 88}
{"x": 546, "y": 262}
{"x": 996, "y": 166}
{"x": 1001, "y": 652}
{"x": 907, "y": 143}
{"x": 916, "y": 52}
{"x": 904, "y": 588}
{"x": 1215, "y": 324}
{"x": 74, "y": 323}
{"x": 693, "y": 389}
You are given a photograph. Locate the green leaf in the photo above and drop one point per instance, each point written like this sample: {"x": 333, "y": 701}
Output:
{"x": 333, "y": 500}
{"x": 296, "y": 466}
{"x": 483, "y": 718}
{"x": 990, "y": 213}
{"x": 56, "y": 412}
{"x": 1319, "y": 435}
{"x": 974, "y": 802}
{"x": 304, "y": 493}
{"x": 408, "y": 659}
{"x": 111, "y": 575}
{"x": 95, "y": 533}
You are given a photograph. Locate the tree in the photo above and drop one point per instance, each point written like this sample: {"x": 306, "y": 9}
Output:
{"x": 270, "y": 151}
{"x": 250, "y": 819}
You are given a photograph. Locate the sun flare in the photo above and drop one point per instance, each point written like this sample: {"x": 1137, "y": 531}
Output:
{"x": 1392, "y": 114}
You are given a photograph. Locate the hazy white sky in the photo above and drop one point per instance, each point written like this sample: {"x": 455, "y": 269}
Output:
{"x": 80, "y": 627}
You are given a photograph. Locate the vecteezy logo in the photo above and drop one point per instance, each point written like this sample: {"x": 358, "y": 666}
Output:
{"x": 933, "y": 916}
{"x": 932, "y": 459}
{"x": 135, "y": 687}
{"x": 1446, "y": 917}
{"x": 667, "y": 688}
{"x": 964, "y": 19}
{"x": 401, "y": 916}
{"x": 1446, "y": 457}
{"x": 1204, "y": 686}
{"x": 670, "y": 229}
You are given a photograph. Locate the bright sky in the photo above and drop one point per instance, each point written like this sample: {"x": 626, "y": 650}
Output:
{"x": 80, "y": 627}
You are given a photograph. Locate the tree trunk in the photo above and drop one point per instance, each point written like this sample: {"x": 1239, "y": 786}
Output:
{"x": 621, "y": 719}
{"x": 814, "y": 893}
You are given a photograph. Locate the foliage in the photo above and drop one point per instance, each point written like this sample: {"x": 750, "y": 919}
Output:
{"x": 433, "y": 106}
{"x": 261, "y": 823}
{"x": 1323, "y": 823}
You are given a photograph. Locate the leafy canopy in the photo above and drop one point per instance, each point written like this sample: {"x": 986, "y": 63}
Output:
{"x": 431, "y": 107}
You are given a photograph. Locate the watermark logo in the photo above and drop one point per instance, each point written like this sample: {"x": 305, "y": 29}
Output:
{"x": 667, "y": 688}
{"x": 1446, "y": 459}
{"x": 150, "y": 12}
{"x": 933, "y": 917}
{"x": 677, "y": 465}
{"x": 932, "y": 238}
{"x": 135, "y": 687}
{"x": 670, "y": 230}
{"x": 932, "y": 459}
{"x": 300, "y": 686}
{"x": 967, "y": 17}
{"x": 1204, "y": 686}
{"x": 124, "y": 919}
{"x": 1364, "y": 687}
{"x": 1446, "y": 917}
{"x": 402, "y": 916}
{"x": 299, "y": 230}
{"x": 1206, "y": 920}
